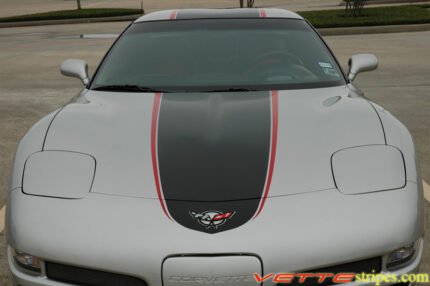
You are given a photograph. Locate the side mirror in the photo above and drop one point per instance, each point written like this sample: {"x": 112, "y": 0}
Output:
{"x": 361, "y": 63}
{"x": 75, "y": 68}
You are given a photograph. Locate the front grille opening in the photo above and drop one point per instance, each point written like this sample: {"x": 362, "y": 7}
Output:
{"x": 372, "y": 265}
{"x": 87, "y": 277}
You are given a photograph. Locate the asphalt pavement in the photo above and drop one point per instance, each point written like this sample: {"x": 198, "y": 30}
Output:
{"x": 31, "y": 85}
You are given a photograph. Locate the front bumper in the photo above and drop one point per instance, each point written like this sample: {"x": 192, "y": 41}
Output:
{"x": 131, "y": 236}
{"x": 21, "y": 277}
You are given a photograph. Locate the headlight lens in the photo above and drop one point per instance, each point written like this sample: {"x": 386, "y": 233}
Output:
{"x": 27, "y": 261}
{"x": 400, "y": 256}
{"x": 367, "y": 169}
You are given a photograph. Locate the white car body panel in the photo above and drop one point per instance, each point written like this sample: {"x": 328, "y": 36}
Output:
{"x": 398, "y": 135}
{"x": 112, "y": 117}
{"x": 121, "y": 225}
{"x": 32, "y": 142}
{"x": 146, "y": 237}
{"x": 366, "y": 169}
{"x": 64, "y": 174}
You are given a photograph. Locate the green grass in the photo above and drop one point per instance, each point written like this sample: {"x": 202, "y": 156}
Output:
{"x": 396, "y": 15}
{"x": 73, "y": 14}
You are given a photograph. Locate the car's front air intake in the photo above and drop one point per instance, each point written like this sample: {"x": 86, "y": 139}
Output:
{"x": 88, "y": 277}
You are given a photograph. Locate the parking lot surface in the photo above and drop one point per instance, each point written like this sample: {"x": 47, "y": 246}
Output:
{"x": 31, "y": 85}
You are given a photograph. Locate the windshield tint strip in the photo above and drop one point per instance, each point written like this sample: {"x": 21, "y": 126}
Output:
{"x": 208, "y": 14}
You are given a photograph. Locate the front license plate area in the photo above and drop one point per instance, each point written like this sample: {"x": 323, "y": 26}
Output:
{"x": 211, "y": 270}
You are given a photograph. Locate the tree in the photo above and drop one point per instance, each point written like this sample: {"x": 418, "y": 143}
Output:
{"x": 249, "y": 3}
{"x": 354, "y": 7}
{"x": 79, "y": 4}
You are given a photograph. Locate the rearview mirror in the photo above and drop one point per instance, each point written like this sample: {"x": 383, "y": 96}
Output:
{"x": 75, "y": 68}
{"x": 361, "y": 63}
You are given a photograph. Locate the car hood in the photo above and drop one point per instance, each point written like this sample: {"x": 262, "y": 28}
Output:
{"x": 213, "y": 147}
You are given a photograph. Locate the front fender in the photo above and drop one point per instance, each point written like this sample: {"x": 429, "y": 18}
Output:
{"x": 32, "y": 142}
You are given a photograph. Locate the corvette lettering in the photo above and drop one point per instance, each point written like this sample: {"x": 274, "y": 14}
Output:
{"x": 210, "y": 280}
{"x": 213, "y": 219}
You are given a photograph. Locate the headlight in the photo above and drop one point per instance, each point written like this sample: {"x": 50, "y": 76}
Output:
{"x": 58, "y": 174}
{"x": 400, "y": 256}
{"x": 367, "y": 169}
{"x": 27, "y": 261}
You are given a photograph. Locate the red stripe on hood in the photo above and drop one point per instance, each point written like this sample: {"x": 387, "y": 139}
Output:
{"x": 154, "y": 127}
{"x": 274, "y": 140}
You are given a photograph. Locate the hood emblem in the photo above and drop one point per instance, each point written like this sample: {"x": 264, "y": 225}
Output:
{"x": 211, "y": 219}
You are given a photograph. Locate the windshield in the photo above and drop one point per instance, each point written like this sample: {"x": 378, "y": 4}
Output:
{"x": 218, "y": 55}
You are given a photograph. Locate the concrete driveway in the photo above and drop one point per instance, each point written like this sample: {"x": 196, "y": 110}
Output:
{"x": 31, "y": 86}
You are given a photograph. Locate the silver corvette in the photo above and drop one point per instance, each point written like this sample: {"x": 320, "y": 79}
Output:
{"x": 215, "y": 147}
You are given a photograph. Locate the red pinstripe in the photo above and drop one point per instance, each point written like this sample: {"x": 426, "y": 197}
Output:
{"x": 262, "y": 13}
{"x": 273, "y": 146}
{"x": 173, "y": 15}
{"x": 154, "y": 127}
{"x": 274, "y": 140}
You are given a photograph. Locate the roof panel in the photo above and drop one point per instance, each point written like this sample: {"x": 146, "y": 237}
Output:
{"x": 218, "y": 13}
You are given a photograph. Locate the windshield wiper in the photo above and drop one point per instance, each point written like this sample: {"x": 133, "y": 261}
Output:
{"x": 128, "y": 87}
{"x": 232, "y": 89}
{"x": 138, "y": 88}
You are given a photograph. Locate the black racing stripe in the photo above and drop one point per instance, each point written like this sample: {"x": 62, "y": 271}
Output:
{"x": 213, "y": 153}
{"x": 214, "y": 147}
{"x": 214, "y": 14}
